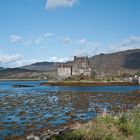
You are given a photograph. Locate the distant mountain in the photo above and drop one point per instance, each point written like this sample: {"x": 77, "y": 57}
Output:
{"x": 18, "y": 73}
{"x": 119, "y": 63}
{"x": 116, "y": 63}
{"x": 1, "y": 68}
{"x": 13, "y": 72}
{"x": 42, "y": 66}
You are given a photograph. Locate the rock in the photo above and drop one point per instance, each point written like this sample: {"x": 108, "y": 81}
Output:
{"x": 63, "y": 131}
{"x": 32, "y": 137}
{"x": 45, "y": 138}
{"x": 36, "y": 138}
{"x": 47, "y": 135}
{"x": 21, "y": 86}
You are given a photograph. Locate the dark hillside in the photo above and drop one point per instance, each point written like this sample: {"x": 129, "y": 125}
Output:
{"x": 117, "y": 63}
{"x": 42, "y": 66}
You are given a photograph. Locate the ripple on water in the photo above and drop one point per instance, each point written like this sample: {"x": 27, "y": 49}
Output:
{"x": 26, "y": 110}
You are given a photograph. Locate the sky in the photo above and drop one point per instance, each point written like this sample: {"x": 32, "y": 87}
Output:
{"x": 56, "y": 30}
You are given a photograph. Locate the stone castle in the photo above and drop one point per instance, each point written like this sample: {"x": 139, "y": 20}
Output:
{"x": 80, "y": 66}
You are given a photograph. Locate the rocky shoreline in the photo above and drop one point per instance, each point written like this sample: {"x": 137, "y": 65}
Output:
{"x": 60, "y": 132}
{"x": 43, "y": 135}
{"x": 122, "y": 120}
{"x": 47, "y": 135}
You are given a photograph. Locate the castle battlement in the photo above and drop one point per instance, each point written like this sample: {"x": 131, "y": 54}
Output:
{"x": 80, "y": 66}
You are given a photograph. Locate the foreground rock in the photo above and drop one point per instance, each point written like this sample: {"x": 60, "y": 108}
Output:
{"x": 47, "y": 135}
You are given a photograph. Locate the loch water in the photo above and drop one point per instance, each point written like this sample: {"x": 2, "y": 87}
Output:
{"x": 34, "y": 107}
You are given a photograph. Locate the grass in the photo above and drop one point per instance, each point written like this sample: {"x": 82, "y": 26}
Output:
{"x": 124, "y": 126}
{"x": 87, "y": 79}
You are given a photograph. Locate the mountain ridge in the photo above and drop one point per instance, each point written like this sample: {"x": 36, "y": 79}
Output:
{"x": 117, "y": 63}
{"x": 111, "y": 64}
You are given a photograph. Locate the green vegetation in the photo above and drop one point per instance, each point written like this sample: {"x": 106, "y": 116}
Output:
{"x": 138, "y": 73}
{"x": 87, "y": 79}
{"x": 124, "y": 126}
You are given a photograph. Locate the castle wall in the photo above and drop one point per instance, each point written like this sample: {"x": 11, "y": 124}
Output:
{"x": 79, "y": 67}
{"x": 64, "y": 72}
{"x": 85, "y": 72}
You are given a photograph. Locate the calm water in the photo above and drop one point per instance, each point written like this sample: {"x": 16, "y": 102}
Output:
{"x": 24, "y": 110}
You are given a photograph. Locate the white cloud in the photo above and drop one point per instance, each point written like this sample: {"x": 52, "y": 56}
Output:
{"x": 86, "y": 43}
{"x": 66, "y": 40}
{"x": 132, "y": 42}
{"x": 86, "y": 52}
{"x": 38, "y": 40}
{"x": 14, "y": 60}
{"x": 51, "y": 4}
{"x": 56, "y": 59}
{"x": 87, "y": 48}
{"x": 24, "y": 62}
{"x": 82, "y": 42}
{"x": 48, "y": 34}
{"x": 7, "y": 58}
{"x": 31, "y": 40}
{"x": 15, "y": 38}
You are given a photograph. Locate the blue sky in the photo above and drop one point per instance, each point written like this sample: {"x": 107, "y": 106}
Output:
{"x": 56, "y": 30}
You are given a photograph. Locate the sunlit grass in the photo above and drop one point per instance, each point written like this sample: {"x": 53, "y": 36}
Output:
{"x": 124, "y": 126}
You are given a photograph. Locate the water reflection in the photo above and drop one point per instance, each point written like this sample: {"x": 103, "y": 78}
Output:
{"x": 26, "y": 110}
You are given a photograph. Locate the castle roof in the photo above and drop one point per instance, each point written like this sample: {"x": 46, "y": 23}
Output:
{"x": 80, "y": 58}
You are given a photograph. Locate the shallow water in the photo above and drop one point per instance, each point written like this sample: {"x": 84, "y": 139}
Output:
{"x": 28, "y": 109}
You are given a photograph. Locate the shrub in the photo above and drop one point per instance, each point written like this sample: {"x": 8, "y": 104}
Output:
{"x": 122, "y": 127}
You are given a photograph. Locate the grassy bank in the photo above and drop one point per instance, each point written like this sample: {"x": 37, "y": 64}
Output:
{"x": 124, "y": 126}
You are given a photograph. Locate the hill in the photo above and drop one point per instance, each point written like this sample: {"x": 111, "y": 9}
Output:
{"x": 18, "y": 73}
{"x": 1, "y": 68}
{"x": 116, "y": 64}
{"x": 42, "y": 66}
{"x": 119, "y": 63}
